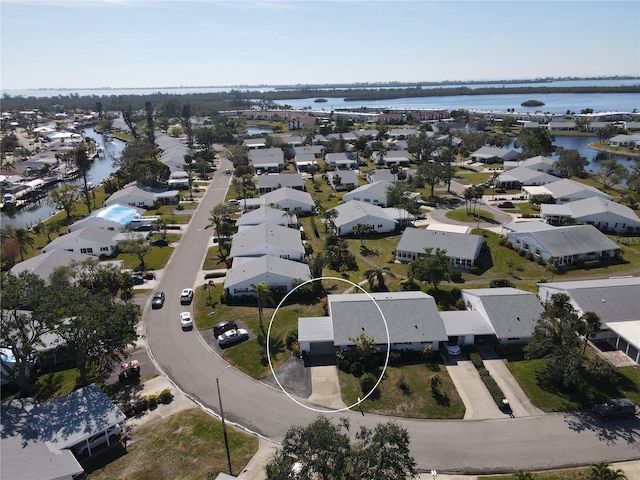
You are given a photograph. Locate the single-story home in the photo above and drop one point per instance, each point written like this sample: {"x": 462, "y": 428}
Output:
{"x": 520, "y": 176}
{"x": 402, "y": 133}
{"x": 538, "y": 163}
{"x": 614, "y": 300}
{"x": 178, "y": 179}
{"x": 316, "y": 150}
{"x": 269, "y": 183}
{"x": 568, "y": 245}
{"x": 341, "y": 180}
{"x": 306, "y": 162}
{"x": 284, "y": 198}
{"x": 624, "y": 140}
{"x": 564, "y": 190}
{"x": 269, "y": 215}
{"x": 267, "y": 160}
{"x": 255, "y": 143}
{"x": 352, "y": 213}
{"x": 87, "y": 240}
{"x": 493, "y": 155}
{"x": 283, "y": 139}
{"x": 402, "y": 158}
{"x": 114, "y": 217}
{"x": 565, "y": 125}
{"x": 142, "y": 197}
{"x": 605, "y": 215}
{"x": 268, "y": 239}
{"x": 386, "y": 175}
{"x": 279, "y": 273}
{"x": 375, "y": 193}
{"x": 342, "y": 161}
{"x": 402, "y": 320}
{"x": 44, "y": 264}
{"x": 462, "y": 249}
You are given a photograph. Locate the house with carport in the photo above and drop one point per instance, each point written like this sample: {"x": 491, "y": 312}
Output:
{"x": 493, "y": 155}
{"x": 461, "y": 249}
{"x": 605, "y": 215}
{"x": 342, "y": 161}
{"x": 137, "y": 195}
{"x": 374, "y": 193}
{"x": 114, "y": 218}
{"x": 566, "y": 245}
{"x": 401, "y": 158}
{"x": 269, "y": 183}
{"x": 284, "y": 198}
{"x": 354, "y": 212}
{"x": 398, "y": 320}
{"x": 265, "y": 214}
{"x": 267, "y": 239}
{"x": 385, "y": 174}
{"x": 520, "y": 176}
{"x": 341, "y": 180}
{"x": 267, "y": 160}
{"x": 563, "y": 191}
{"x": 615, "y": 300}
{"x": 281, "y": 274}
{"x": 87, "y": 240}
{"x": 538, "y": 163}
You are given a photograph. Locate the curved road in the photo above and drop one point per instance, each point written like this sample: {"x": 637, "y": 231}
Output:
{"x": 531, "y": 443}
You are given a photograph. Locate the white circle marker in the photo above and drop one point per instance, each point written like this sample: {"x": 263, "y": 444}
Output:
{"x": 386, "y": 360}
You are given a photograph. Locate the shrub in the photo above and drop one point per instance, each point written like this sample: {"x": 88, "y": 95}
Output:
{"x": 476, "y": 359}
{"x": 436, "y": 384}
{"x": 343, "y": 364}
{"x": 460, "y": 305}
{"x": 292, "y": 338}
{"x": 356, "y": 369}
{"x": 501, "y": 282}
{"x": 522, "y": 253}
{"x": 395, "y": 357}
{"x": 165, "y": 396}
{"x": 456, "y": 275}
{"x": 141, "y": 405}
{"x": 367, "y": 382}
{"x": 474, "y": 269}
{"x": 153, "y": 400}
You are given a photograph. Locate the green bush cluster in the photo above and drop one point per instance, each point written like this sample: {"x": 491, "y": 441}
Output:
{"x": 147, "y": 402}
{"x": 494, "y": 390}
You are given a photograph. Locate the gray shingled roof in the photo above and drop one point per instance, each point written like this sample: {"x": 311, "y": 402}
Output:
{"x": 411, "y": 317}
{"x": 266, "y": 235}
{"x": 595, "y": 205}
{"x": 564, "y": 187}
{"x": 266, "y": 214}
{"x": 573, "y": 240}
{"x": 274, "y": 268}
{"x": 376, "y": 188}
{"x": 457, "y": 245}
{"x": 283, "y": 180}
{"x": 354, "y": 210}
{"x": 526, "y": 176}
{"x": 44, "y": 264}
{"x": 512, "y": 312}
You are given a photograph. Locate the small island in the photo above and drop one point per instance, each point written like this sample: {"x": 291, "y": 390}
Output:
{"x": 320, "y": 100}
{"x": 532, "y": 103}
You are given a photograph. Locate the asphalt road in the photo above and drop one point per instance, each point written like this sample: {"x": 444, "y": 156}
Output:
{"x": 531, "y": 443}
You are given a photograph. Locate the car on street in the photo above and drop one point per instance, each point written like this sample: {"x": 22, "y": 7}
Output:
{"x": 112, "y": 435}
{"x": 158, "y": 300}
{"x": 506, "y": 205}
{"x": 221, "y": 327}
{"x": 186, "y": 296}
{"x": 231, "y": 337}
{"x": 186, "y": 320}
{"x": 617, "y": 407}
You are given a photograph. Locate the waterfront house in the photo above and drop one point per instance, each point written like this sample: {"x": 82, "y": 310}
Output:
{"x": 538, "y": 163}
{"x": 605, "y": 215}
{"x": 563, "y": 191}
{"x": 493, "y": 155}
{"x": 114, "y": 217}
{"x": 521, "y": 176}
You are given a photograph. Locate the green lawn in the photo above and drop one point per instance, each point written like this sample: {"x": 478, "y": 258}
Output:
{"x": 461, "y": 215}
{"x": 583, "y": 473}
{"x": 155, "y": 260}
{"x": 188, "y": 445}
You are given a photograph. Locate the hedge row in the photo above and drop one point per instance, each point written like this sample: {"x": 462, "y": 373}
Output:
{"x": 147, "y": 402}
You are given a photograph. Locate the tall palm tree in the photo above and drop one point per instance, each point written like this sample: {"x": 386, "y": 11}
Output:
{"x": 590, "y": 325}
{"x": 83, "y": 164}
{"x": 24, "y": 239}
{"x": 264, "y": 294}
{"x": 377, "y": 273}
{"x": 602, "y": 471}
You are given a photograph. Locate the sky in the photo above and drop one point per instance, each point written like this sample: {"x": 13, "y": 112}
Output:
{"x": 170, "y": 43}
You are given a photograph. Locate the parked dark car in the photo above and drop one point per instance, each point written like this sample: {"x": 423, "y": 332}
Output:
{"x": 158, "y": 300}
{"x": 506, "y": 205}
{"x": 160, "y": 242}
{"x": 221, "y": 327}
{"x": 617, "y": 407}
{"x": 137, "y": 279}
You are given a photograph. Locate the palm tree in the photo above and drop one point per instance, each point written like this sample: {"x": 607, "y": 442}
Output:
{"x": 264, "y": 294}
{"x": 602, "y": 471}
{"x": 361, "y": 230}
{"x": 24, "y": 239}
{"x": 590, "y": 325}
{"x": 377, "y": 273}
{"x": 83, "y": 164}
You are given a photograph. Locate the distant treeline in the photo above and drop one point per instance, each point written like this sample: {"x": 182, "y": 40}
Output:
{"x": 203, "y": 104}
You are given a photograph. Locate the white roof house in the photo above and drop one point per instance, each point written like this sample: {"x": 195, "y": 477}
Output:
{"x": 306, "y": 162}
{"x": 269, "y": 215}
{"x": 280, "y": 273}
{"x": 114, "y": 217}
{"x": 267, "y": 239}
{"x": 267, "y": 159}
{"x": 624, "y": 140}
{"x": 289, "y": 199}
{"x": 565, "y": 190}
{"x": 375, "y": 193}
{"x": 44, "y": 264}
{"x": 386, "y": 175}
{"x": 567, "y": 245}
{"x": 404, "y": 320}
{"x": 493, "y": 155}
{"x": 269, "y": 183}
{"x": 142, "y": 197}
{"x": 255, "y": 143}
{"x": 88, "y": 240}
{"x": 352, "y": 213}
{"x": 538, "y": 163}
{"x": 341, "y": 180}
{"x": 520, "y": 176}
{"x": 342, "y": 161}
{"x": 462, "y": 249}
{"x": 603, "y": 214}
{"x": 401, "y": 158}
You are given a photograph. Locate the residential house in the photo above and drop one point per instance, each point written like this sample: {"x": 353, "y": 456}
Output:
{"x": 44, "y": 264}
{"x": 306, "y": 162}
{"x": 352, "y": 213}
{"x": 402, "y": 133}
{"x": 341, "y": 180}
{"x": 614, "y": 300}
{"x": 401, "y": 158}
{"x": 461, "y": 249}
{"x": 342, "y": 161}
{"x": 269, "y": 215}
{"x": 284, "y": 198}
{"x": 267, "y": 239}
{"x": 395, "y": 321}
{"x": 493, "y": 155}
{"x": 348, "y": 137}
{"x": 88, "y": 240}
{"x": 625, "y": 140}
{"x": 269, "y": 183}
{"x": 511, "y": 313}
{"x": 291, "y": 140}
{"x": 564, "y": 190}
{"x": 267, "y": 160}
{"x": 279, "y": 273}
{"x": 605, "y": 215}
{"x": 565, "y": 125}
{"x": 316, "y": 150}
{"x": 178, "y": 179}
{"x": 375, "y": 193}
{"x": 115, "y": 218}
{"x": 255, "y": 143}
{"x": 385, "y": 174}
{"x": 567, "y": 245}
{"x": 136, "y": 195}
{"x": 520, "y": 176}
{"x": 538, "y": 163}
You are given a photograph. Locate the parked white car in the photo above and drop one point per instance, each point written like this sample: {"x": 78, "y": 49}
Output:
{"x": 112, "y": 434}
{"x": 186, "y": 296}
{"x": 231, "y": 337}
